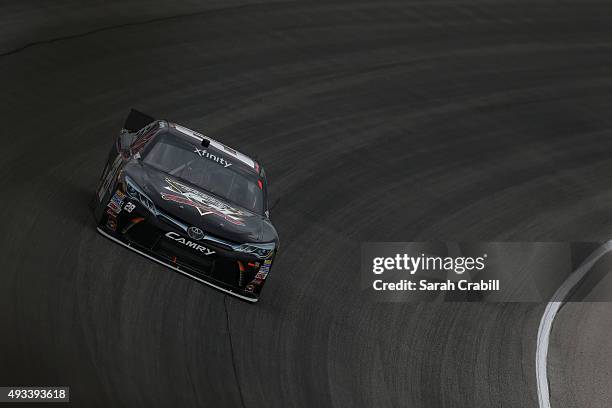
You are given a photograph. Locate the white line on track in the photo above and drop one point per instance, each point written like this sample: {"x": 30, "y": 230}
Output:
{"x": 548, "y": 317}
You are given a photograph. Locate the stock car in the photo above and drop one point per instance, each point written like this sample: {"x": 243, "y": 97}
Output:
{"x": 189, "y": 203}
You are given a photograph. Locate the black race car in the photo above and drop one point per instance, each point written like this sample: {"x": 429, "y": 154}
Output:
{"x": 190, "y": 203}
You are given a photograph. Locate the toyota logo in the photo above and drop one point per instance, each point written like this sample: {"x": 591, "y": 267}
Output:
{"x": 195, "y": 233}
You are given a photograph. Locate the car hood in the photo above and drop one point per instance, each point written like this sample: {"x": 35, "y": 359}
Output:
{"x": 197, "y": 207}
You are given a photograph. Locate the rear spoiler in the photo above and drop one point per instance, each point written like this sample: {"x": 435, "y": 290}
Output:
{"x": 136, "y": 120}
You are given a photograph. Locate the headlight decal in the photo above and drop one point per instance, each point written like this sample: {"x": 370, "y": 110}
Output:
{"x": 136, "y": 193}
{"x": 261, "y": 251}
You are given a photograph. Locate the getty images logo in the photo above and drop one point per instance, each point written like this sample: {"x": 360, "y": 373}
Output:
{"x": 412, "y": 264}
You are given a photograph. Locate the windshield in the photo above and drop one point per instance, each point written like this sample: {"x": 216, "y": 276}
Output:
{"x": 206, "y": 169}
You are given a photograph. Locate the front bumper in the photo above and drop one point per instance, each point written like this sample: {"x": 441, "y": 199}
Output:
{"x": 163, "y": 241}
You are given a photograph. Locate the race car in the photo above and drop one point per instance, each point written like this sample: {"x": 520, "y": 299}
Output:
{"x": 188, "y": 202}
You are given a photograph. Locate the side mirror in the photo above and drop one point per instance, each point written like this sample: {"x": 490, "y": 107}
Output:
{"x": 125, "y": 141}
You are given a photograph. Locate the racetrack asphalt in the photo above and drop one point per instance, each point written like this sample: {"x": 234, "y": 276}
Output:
{"x": 391, "y": 121}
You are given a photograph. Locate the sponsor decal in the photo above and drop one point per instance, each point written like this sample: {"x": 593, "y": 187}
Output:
{"x": 195, "y": 233}
{"x": 218, "y": 145}
{"x": 193, "y": 245}
{"x": 264, "y": 270}
{"x": 205, "y": 204}
{"x": 116, "y": 201}
{"x": 116, "y": 209}
{"x": 210, "y": 156}
{"x": 111, "y": 222}
{"x": 129, "y": 207}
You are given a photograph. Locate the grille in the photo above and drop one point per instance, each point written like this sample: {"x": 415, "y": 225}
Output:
{"x": 211, "y": 267}
{"x": 202, "y": 264}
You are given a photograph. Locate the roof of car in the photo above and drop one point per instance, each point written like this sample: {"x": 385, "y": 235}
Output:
{"x": 242, "y": 159}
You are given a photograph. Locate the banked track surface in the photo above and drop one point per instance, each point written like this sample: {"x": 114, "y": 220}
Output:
{"x": 392, "y": 121}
